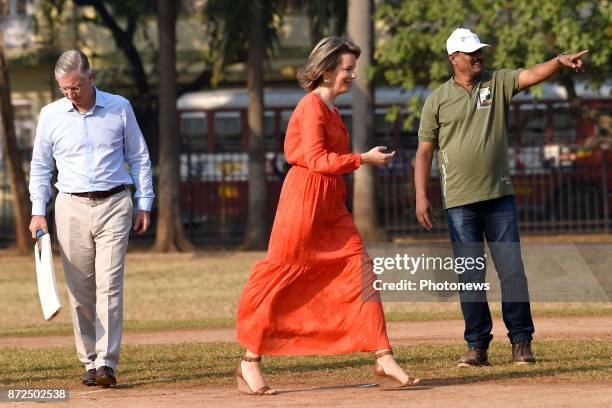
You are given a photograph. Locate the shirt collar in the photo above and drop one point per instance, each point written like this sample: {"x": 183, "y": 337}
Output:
{"x": 476, "y": 81}
{"x": 100, "y": 101}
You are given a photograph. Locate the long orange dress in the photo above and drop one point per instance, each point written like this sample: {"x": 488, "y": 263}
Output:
{"x": 306, "y": 296}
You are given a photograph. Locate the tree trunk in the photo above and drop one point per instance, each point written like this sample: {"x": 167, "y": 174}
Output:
{"x": 16, "y": 176}
{"x": 170, "y": 236}
{"x": 361, "y": 31}
{"x": 257, "y": 230}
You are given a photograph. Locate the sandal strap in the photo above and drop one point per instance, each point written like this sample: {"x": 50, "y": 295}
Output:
{"x": 383, "y": 353}
{"x": 262, "y": 390}
{"x": 251, "y": 359}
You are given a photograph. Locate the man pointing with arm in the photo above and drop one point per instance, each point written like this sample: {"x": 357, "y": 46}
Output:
{"x": 466, "y": 119}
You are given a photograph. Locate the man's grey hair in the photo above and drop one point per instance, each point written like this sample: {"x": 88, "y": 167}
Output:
{"x": 71, "y": 61}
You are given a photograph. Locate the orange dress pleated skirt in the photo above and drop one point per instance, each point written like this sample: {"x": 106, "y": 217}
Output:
{"x": 312, "y": 293}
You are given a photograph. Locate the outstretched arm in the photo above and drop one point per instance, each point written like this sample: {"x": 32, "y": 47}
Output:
{"x": 541, "y": 72}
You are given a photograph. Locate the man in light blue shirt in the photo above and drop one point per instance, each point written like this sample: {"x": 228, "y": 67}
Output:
{"x": 91, "y": 135}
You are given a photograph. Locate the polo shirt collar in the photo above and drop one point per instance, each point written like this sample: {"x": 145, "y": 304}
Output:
{"x": 476, "y": 81}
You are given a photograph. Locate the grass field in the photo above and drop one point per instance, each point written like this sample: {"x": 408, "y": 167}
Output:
{"x": 198, "y": 290}
{"x": 201, "y": 290}
{"x": 215, "y": 364}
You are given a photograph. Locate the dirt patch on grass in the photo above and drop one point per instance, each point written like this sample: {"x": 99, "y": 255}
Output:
{"x": 400, "y": 333}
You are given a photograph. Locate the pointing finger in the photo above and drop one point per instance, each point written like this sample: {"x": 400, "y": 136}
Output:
{"x": 578, "y": 56}
{"x": 581, "y": 53}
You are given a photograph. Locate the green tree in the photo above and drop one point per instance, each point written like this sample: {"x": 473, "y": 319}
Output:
{"x": 257, "y": 223}
{"x": 254, "y": 43}
{"x": 326, "y": 17}
{"x": 523, "y": 32}
{"x": 124, "y": 19}
{"x": 249, "y": 42}
{"x": 361, "y": 31}
{"x": 170, "y": 235}
{"x": 12, "y": 156}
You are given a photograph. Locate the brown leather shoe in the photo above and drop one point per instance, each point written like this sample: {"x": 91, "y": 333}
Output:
{"x": 89, "y": 378}
{"x": 522, "y": 354}
{"x": 474, "y": 357}
{"x": 105, "y": 377}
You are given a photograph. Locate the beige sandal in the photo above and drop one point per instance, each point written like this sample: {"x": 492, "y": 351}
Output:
{"x": 243, "y": 386}
{"x": 387, "y": 382}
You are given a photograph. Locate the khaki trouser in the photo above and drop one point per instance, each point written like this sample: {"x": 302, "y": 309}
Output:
{"x": 93, "y": 237}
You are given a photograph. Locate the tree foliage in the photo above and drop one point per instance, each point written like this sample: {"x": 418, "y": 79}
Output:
{"x": 522, "y": 32}
{"x": 326, "y": 17}
{"x": 227, "y": 26}
{"x": 122, "y": 18}
{"x": 16, "y": 176}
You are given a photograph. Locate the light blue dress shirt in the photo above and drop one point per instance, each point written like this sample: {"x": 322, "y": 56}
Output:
{"x": 90, "y": 150}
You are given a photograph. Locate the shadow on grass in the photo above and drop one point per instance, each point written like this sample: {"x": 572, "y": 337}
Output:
{"x": 347, "y": 386}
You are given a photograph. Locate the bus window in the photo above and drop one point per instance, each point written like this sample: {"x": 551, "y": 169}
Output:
{"x": 194, "y": 129}
{"x": 284, "y": 123}
{"x": 564, "y": 124}
{"x": 270, "y": 131}
{"x": 533, "y": 124}
{"x": 384, "y": 129}
{"x": 604, "y": 122}
{"x": 347, "y": 118}
{"x": 25, "y": 126}
{"x": 512, "y": 127}
{"x": 408, "y": 139}
{"x": 228, "y": 132}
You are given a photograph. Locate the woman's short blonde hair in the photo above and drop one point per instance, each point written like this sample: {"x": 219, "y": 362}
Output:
{"x": 325, "y": 55}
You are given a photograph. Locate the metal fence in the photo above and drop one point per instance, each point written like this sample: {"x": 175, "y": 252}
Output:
{"x": 555, "y": 200}
{"x": 568, "y": 198}
{"x": 565, "y": 199}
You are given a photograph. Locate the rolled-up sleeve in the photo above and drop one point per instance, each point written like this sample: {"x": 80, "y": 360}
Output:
{"x": 41, "y": 167}
{"x": 428, "y": 126}
{"x": 137, "y": 157}
{"x": 508, "y": 78}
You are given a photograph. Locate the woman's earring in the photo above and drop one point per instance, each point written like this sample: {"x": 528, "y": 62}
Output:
{"x": 327, "y": 82}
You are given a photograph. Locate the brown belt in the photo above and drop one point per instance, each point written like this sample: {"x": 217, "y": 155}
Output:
{"x": 98, "y": 195}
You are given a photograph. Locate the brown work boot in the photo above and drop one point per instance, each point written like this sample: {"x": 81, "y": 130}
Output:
{"x": 521, "y": 353}
{"x": 474, "y": 357}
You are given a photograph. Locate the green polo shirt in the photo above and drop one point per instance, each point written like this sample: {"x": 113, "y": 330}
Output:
{"x": 470, "y": 130}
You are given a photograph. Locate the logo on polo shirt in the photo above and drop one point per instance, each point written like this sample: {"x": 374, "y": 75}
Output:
{"x": 484, "y": 97}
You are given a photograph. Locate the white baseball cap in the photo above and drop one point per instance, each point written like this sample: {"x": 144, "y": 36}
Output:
{"x": 463, "y": 40}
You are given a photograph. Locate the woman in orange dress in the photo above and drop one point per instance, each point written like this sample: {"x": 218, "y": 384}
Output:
{"x": 310, "y": 294}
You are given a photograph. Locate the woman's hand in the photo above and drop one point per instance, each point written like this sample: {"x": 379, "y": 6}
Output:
{"x": 376, "y": 156}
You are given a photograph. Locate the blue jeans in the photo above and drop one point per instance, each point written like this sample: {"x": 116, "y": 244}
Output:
{"x": 495, "y": 220}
